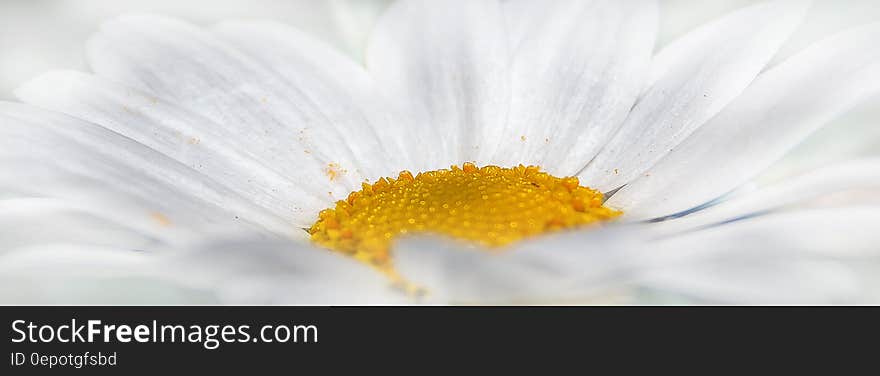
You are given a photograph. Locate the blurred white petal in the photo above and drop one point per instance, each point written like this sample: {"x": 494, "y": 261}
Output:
{"x": 832, "y": 260}
{"x": 46, "y": 35}
{"x": 521, "y": 17}
{"x": 446, "y": 61}
{"x": 814, "y": 257}
{"x": 778, "y": 111}
{"x": 186, "y": 137}
{"x": 573, "y": 267}
{"x": 807, "y": 189}
{"x": 28, "y": 222}
{"x": 853, "y": 135}
{"x": 68, "y": 274}
{"x": 282, "y": 124}
{"x": 341, "y": 86}
{"x": 692, "y": 80}
{"x": 354, "y": 19}
{"x": 46, "y": 154}
{"x": 247, "y": 271}
{"x": 575, "y": 75}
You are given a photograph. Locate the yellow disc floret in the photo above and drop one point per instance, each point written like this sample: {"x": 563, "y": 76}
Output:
{"x": 490, "y": 206}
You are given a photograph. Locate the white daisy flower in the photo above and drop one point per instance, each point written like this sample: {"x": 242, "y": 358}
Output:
{"x": 486, "y": 152}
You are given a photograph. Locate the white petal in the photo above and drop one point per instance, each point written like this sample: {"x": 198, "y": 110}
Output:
{"x": 188, "y": 138}
{"x": 280, "y": 123}
{"x": 692, "y": 80}
{"x": 247, "y": 271}
{"x": 67, "y": 274}
{"x": 27, "y": 222}
{"x": 855, "y": 134}
{"x": 575, "y": 267}
{"x": 814, "y": 257}
{"x": 447, "y": 62}
{"x": 51, "y": 155}
{"x": 354, "y": 21}
{"x": 243, "y": 271}
{"x": 810, "y": 188}
{"x": 778, "y": 111}
{"x": 833, "y": 258}
{"x": 575, "y": 75}
{"x": 334, "y": 81}
{"x": 521, "y": 17}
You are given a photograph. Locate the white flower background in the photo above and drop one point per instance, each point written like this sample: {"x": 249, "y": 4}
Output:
{"x": 41, "y": 35}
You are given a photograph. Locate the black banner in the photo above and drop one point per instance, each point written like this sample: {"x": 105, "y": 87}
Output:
{"x": 41, "y": 340}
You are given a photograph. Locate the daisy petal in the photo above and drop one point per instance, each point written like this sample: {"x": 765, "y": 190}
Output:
{"x": 447, "y": 62}
{"x": 813, "y": 187}
{"x": 575, "y": 75}
{"x": 784, "y": 106}
{"x": 353, "y": 21}
{"x": 277, "y": 121}
{"x": 581, "y": 265}
{"x": 253, "y": 271}
{"x": 51, "y": 155}
{"x": 693, "y": 79}
{"x": 244, "y": 271}
{"x": 334, "y": 81}
{"x": 832, "y": 260}
{"x": 520, "y": 18}
{"x": 754, "y": 260}
{"x": 68, "y": 274}
{"x": 28, "y": 222}
{"x": 188, "y": 138}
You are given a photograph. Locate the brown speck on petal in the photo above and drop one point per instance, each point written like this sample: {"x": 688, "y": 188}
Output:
{"x": 161, "y": 219}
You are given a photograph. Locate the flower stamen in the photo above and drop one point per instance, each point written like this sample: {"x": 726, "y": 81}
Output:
{"x": 489, "y": 206}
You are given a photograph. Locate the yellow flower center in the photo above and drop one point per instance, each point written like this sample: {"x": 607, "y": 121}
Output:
{"x": 490, "y": 206}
